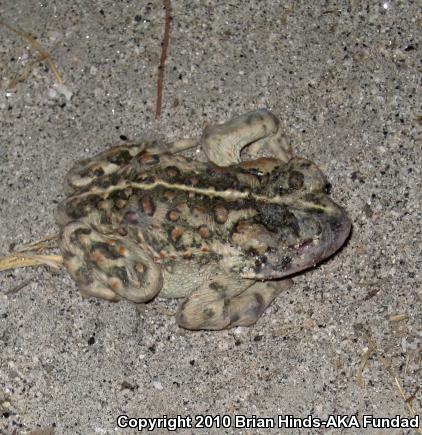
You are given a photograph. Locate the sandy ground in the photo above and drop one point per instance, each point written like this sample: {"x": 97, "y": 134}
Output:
{"x": 344, "y": 78}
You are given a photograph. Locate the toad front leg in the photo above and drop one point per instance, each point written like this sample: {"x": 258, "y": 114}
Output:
{"x": 223, "y": 143}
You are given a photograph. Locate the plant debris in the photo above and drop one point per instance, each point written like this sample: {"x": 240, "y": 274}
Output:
{"x": 43, "y": 55}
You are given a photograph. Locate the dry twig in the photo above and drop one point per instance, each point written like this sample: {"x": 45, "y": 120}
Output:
{"x": 47, "y": 242}
{"x": 17, "y": 260}
{"x": 373, "y": 348}
{"x": 32, "y": 255}
{"x": 43, "y": 55}
{"x": 18, "y": 287}
{"x": 406, "y": 400}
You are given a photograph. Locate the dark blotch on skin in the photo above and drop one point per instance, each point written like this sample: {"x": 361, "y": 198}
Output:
{"x": 76, "y": 208}
{"x": 120, "y": 194}
{"x": 103, "y": 182}
{"x": 204, "y": 231}
{"x": 114, "y": 178}
{"x": 84, "y": 231}
{"x": 249, "y": 120}
{"x": 206, "y": 134}
{"x": 259, "y": 300}
{"x": 106, "y": 250}
{"x": 208, "y": 313}
{"x": 261, "y": 260}
{"x": 74, "y": 212}
{"x": 251, "y": 252}
{"x": 305, "y": 164}
{"x": 234, "y": 318}
{"x": 119, "y": 158}
{"x": 172, "y": 171}
{"x": 147, "y": 206}
{"x": 130, "y": 218}
{"x": 175, "y": 234}
{"x": 98, "y": 172}
{"x": 120, "y": 272}
{"x": 173, "y": 215}
{"x": 151, "y": 179}
{"x": 259, "y": 265}
{"x": 284, "y": 262}
{"x": 84, "y": 276}
{"x": 217, "y": 287}
{"x": 87, "y": 172}
{"x": 182, "y": 307}
{"x": 105, "y": 218}
{"x": 276, "y": 217}
{"x": 226, "y": 307}
{"x": 67, "y": 256}
{"x": 315, "y": 211}
{"x": 129, "y": 174}
{"x": 296, "y": 180}
{"x": 181, "y": 248}
{"x": 79, "y": 232}
{"x": 152, "y": 159}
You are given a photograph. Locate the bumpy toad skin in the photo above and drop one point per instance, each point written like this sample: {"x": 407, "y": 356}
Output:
{"x": 141, "y": 220}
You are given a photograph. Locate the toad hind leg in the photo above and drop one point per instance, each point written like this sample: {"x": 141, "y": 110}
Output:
{"x": 223, "y": 304}
{"x": 108, "y": 266}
